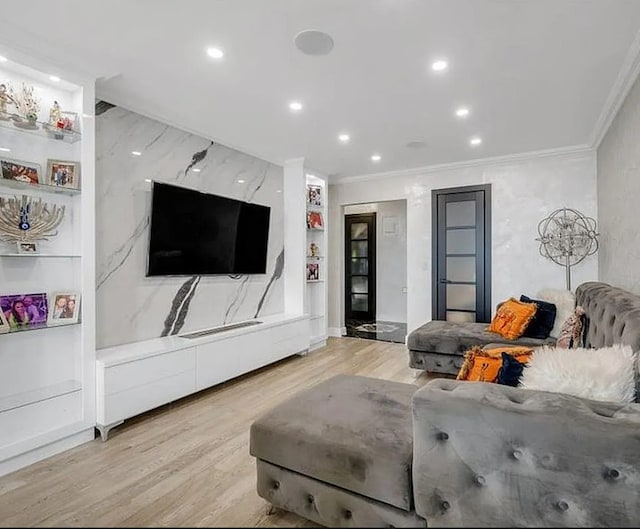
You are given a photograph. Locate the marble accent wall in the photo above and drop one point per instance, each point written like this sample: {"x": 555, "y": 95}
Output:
{"x": 618, "y": 196}
{"x": 132, "y": 307}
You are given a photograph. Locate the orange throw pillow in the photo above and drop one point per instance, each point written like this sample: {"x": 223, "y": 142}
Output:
{"x": 512, "y": 318}
{"x": 482, "y": 365}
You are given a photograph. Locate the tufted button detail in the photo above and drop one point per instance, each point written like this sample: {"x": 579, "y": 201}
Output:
{"x": 310, "y": 498}
{"x": 276, "y": 485}
{"x": 480, "y": 480}
{"x": 438, "y": 363}
{"x": 443, "y": 436}
{"x": 516, "y": 454}
{"x": 445, "y": 505}
{"x": 562, "y": 505}
{"x": 348, "y": 514}
{"x": 613, "y": 473}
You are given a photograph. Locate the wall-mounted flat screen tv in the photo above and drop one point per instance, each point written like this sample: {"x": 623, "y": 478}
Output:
{"x": 196, "y": 233}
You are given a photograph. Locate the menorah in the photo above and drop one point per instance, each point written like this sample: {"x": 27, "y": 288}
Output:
{"x": 23, "y": 219}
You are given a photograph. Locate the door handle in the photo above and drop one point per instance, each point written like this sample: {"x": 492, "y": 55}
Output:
{"x": 445, "y": 281}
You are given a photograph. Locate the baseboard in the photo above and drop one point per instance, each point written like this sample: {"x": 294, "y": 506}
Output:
{"x": 337, "y": 332}
{"x": 43, "y": 452}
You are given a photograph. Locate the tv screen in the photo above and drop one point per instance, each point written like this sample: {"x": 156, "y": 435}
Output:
{"x": 195, "y": 233}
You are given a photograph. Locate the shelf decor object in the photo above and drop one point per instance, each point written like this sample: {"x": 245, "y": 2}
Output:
{"x": 26, "y": 220}
{"x": 28, "y": 106}
{"x": 567, "y": 237}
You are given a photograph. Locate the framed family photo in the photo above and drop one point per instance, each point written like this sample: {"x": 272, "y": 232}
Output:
{"x": 4, "y": 324}
{"x": 65, "y": 308}
{"x": 63, "y": 173}
{"x": 315, "y": 220}
{"x": 28, "y": 172}
{"x": 27, "y": 247}
{"x": 314, "y": 195}
{"x": 24, "y": 311}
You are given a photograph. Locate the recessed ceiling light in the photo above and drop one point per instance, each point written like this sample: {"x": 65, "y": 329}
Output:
{"x": 462, "y": 112}
{"x": 147, "y": 180}
{"x": 5, "y": 149}
{"x": 196, "y": 169}
{"x": 54, "y": 78}
{"x": 278, "y": 190}
{"x": 136, "y": 153}
{"x": 376, "y": 158}
{"x": 439, "y": 65}
{"x": 3, "y": 58}
{"x": 241, "y": 181}
{"x": 475, "y": 141}
{"x": 344, "y": 138}
{"x": 215, "y": 53}
{"x": 295, "y": 106}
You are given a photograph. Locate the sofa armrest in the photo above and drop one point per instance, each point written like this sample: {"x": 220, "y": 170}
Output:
{"x": 491, "y": 455}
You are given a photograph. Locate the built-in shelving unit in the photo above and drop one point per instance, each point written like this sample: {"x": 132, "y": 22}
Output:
{"x": 47, "y": 372}
{"x": 315, "y": 274}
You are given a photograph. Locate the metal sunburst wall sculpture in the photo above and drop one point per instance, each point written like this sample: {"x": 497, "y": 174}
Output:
{"x": 567, "y": 237}
{"x": 24, "y": 219}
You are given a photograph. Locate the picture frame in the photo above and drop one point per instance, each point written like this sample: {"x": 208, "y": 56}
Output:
{"x": 64, "y": 308}
{"x": 69, "y": 120}
{"x": 4, "y": 324}
{"x": 27, "y": 247}
{"x": 25, "y": 311}
{"x": 62, "y": 173}
{"x": 20, "y": 170}
{"x": 314, "y": 195}
{"x": 315, "y": 220}
{"x": 313, "y": 272}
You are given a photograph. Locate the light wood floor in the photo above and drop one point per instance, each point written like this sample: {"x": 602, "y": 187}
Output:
{"x": 186, "y": 463}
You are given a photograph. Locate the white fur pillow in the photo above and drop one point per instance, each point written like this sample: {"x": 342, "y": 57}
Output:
{"x": 565, "y": 302}
{"x": 606, "y": 374}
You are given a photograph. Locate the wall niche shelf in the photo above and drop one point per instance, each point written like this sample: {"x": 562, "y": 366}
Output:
{"x": 44, "y": 130}
{"x": 17, "y": 184}
{"x": 18, "y": 400}
{"x": 38, "y": 328}
{"x": 32, "y": 255}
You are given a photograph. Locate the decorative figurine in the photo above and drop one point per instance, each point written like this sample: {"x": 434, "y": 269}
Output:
{"x": 55, "y": 118}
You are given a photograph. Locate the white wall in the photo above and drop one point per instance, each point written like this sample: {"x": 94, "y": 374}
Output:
{"x": 618, "y": 193}
{"x": 524, "y": 191}
{"x": 391, "y": 257}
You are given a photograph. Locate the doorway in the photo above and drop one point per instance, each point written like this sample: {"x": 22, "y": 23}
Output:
{"x": 462, "y": 254}
{"x": 375, "y": 270}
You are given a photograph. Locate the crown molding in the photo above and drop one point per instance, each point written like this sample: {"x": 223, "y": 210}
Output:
{"x": 494, "y": 160}
{"x": 626, "y": 77}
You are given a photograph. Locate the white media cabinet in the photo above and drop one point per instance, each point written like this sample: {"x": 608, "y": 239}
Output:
{"x": 137, "y": 377}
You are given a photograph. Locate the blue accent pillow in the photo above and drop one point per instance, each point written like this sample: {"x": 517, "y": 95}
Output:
{"x": 542, "y": 322}
{"x": 510, "y": 372}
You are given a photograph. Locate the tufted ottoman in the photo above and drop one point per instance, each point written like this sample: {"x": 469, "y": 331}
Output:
{"x": 340, "y": 453}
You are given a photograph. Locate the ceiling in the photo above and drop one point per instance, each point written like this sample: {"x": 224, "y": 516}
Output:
{"x": 536, "y": 75}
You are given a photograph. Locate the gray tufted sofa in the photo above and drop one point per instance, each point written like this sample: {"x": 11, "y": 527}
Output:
{"x": 362, "y": 452}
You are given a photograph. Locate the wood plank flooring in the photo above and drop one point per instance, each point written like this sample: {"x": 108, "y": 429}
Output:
{"x": 185, "y": 464}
